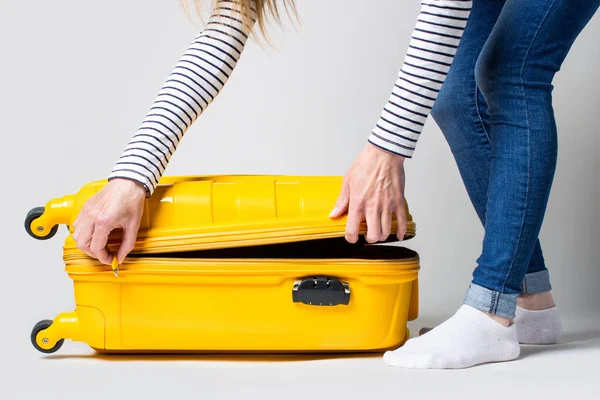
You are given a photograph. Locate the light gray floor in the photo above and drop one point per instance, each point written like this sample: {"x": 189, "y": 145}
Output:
{"x": 568, "y": 369}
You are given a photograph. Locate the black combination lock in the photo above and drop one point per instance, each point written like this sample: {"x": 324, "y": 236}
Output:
{"x": 321, "y": 291}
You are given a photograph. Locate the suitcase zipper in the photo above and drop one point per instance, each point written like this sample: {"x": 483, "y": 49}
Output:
{"x": 187, "y": 244}
{"x": 334, "y": 254}
{"x": 176, "y": 245}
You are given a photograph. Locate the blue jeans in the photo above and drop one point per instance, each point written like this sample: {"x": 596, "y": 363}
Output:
{"x": 495, "y": 110}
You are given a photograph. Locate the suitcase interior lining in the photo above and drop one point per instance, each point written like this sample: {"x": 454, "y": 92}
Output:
{"x": 310, "y": 249}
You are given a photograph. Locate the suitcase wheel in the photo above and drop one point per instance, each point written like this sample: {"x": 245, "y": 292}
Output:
{"x": 41, "y": 232}
{"x": 40, "y": 327}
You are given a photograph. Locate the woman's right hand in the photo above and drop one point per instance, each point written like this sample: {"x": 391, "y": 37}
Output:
{"x": 119, "y": 205}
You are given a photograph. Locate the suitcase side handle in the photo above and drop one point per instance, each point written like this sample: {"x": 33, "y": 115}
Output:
{"x": 321, "y": 291}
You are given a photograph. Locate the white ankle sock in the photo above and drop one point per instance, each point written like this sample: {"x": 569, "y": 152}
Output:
{"x": 466, "y": 339}
{"x": 538, "y": 327}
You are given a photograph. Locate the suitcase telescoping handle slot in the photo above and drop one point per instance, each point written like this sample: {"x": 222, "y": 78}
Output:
{"x": 321, "y": 291}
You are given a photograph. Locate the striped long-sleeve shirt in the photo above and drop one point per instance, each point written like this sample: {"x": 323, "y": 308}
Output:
{"x": 209, "y": 61}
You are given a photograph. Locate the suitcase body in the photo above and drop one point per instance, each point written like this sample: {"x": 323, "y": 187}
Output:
{"x": 234, "y": 264}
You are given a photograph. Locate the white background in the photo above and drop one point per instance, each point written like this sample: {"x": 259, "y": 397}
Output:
{"x": 77, "y": 77}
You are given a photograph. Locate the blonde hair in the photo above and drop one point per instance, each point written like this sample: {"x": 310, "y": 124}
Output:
{"x": 264, "y": 9}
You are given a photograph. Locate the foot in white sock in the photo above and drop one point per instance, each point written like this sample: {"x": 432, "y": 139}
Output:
{"x": 538, "y": 327}
{"x": 466, "y": 339}
{"x": 534, "y": 326}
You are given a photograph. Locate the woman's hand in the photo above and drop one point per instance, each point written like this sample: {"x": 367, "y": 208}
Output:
{"x": 119, "y": 204}
{"x": 373, "y": 188}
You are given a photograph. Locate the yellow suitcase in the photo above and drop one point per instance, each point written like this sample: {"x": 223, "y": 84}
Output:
{"x": 234, "y": 264}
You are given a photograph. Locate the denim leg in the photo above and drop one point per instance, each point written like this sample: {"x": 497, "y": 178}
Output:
{"x": 457, "y": 108}
{"x": 537, "y": 264}
{"x": 461, "y": 113}
{"x": 514, "y": 73}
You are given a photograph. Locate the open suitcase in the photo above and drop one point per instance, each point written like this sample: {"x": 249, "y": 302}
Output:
{"x": 234, "y": 264}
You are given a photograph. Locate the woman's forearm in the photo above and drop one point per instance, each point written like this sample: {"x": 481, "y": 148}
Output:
{"x": 432, "y": 47}
{"x": 194, "y": 83}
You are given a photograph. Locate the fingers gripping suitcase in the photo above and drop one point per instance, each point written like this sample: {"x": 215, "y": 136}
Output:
{"x": 234, "y": 264}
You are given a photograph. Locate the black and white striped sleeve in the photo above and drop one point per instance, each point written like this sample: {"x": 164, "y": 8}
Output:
{"x": 195, "y": 81}
{"x": 438, "y": 31}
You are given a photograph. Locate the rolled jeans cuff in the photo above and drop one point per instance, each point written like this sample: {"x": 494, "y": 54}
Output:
{"x": 537, "y": 282}
{"x": 491, "y": 301}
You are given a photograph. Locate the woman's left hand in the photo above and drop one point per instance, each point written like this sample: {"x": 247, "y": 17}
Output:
{"x": 373, "y": 188}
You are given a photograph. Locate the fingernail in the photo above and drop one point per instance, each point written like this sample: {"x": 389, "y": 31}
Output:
{"x": 333, "y": 212}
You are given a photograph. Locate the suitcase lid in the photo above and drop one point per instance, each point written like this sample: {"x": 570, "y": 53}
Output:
{"x": 188, "y": 213}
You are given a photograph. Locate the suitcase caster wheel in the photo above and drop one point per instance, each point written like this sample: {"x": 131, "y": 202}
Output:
{"x": 42, "y": 232}
{"x": 39, "y": 327}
